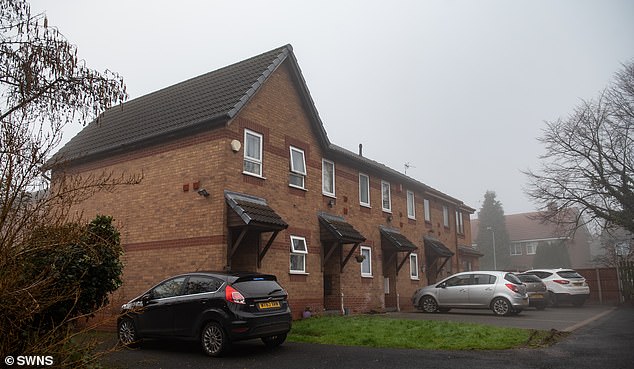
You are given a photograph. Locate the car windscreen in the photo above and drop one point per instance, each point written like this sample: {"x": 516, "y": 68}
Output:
{"x": 512, "y": 278}
{"x": 529, "y": 278}
{"x": 259, "y": 288}
{"x": 569, "y": 274}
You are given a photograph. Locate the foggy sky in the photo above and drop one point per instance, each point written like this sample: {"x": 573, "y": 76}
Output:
{"x": 459, "y": 89}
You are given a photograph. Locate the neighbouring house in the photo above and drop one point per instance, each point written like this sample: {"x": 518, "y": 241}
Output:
{"x": 528, "y": 233}
{"x": 239, "y": 174}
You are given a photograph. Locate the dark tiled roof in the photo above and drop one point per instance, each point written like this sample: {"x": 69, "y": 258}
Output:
{"x": 396, "y": 240}
{"x": 342, "y": 231}
{"x": 254, "y": 211}
{"x": 198, "y": 103}
{"x": 468, "y": 250}
{"x": 436, "y": 248}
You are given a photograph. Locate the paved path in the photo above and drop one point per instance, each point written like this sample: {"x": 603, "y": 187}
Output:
{"x": 606, "y": 342}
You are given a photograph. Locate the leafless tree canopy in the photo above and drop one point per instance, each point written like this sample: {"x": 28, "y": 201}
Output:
{"x": 589, "y": 159}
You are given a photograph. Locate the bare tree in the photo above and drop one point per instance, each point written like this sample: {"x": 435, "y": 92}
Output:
{"x": 43, "y": 87}
{"x": 589, "y": 161}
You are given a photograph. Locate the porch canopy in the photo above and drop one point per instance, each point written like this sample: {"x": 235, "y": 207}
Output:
{"x": 334, "y": 233}
{"x": 251, "y": 214}
{"x": 436, "y": 250}
{"x": 392, "y": 243}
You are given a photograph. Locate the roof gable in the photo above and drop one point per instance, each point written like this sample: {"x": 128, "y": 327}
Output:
{"x": 200, "y": 103}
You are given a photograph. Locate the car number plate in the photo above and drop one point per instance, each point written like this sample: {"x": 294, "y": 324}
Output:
{"x": 537, "y": 296}
{"x": 269, "y": 305}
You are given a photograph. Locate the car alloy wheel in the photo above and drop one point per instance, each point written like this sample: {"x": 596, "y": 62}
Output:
{"x": 213, "y": 339}
{"x": 501, "y": 306}
{"x": 127, "y": 332}
{"x": 429, "y": 304}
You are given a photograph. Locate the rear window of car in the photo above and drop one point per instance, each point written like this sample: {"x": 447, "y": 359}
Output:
{"x": 528, "y": 278}
{"x": 483, "y": 279}
{"x": 541, "y": 275}
{"x": 512, "y": 278}
{"x": 253, "y": 288}
{"x": 202, "y": 284}
{"x": 569, "y": 274}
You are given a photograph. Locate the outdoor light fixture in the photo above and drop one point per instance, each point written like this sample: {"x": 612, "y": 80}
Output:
{"x": 203, "y": 192}
{"x": 331, "y": 203}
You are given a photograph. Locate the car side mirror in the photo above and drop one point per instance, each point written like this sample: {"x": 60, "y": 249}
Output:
{"x": 442, "y": 285}
{"x": 146, "y": 298}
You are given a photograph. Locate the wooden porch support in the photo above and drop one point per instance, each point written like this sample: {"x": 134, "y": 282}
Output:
{"x": 442, "y": 265}
{"x": 235, "y": 245}
{"x": 328, "y": 254}
{"x": 345, "y": 261}
{"x": 263, "y": 252}
{"x": 400, "y": 265}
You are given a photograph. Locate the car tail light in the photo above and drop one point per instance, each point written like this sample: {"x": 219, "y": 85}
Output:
{"x": 232, "y": 295}
{"x": 513, "y": 287}
{"x": 561, "y": 281}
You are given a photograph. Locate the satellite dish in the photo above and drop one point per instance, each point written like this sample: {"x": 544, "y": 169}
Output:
{"x": 235, "y": 145}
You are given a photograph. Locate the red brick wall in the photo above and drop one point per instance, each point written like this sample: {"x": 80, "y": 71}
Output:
{"x": 168, "y": 230}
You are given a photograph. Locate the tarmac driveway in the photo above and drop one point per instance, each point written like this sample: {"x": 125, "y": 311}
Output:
{"x": 560, "y": 318}
{"x": 604, "y": 342}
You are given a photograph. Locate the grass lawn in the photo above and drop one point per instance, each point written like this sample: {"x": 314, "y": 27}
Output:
{"x": 381, "y": 331}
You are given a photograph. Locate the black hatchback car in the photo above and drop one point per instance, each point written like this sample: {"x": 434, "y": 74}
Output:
{"x": 214, "y": 308}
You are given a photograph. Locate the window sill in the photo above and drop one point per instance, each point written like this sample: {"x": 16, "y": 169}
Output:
{"x": 414, "y": 279}
{"x": 297, "y": 187}
{"x": 331, "y": 195}
{"x": 367, "y": 276}
{"x": 298, "y": 273}
{"x": 365, "y": 205}
{"x": 388, "y": 211}
{"x": 253, "y": 175}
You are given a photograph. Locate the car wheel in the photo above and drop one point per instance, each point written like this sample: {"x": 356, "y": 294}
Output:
{"x": 274, "y": 341}
{"x": 214, "y": 339}
{"x": 127, "y": 333}
{"x": 501, "y": 306}
{"x": 444, "y": 310}
{"x": 428, "y": 304}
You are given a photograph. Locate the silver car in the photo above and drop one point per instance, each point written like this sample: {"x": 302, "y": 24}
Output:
{"x": 501, "y": 292}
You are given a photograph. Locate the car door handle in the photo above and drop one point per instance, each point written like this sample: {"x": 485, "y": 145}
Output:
{"x": 488, "y": 289}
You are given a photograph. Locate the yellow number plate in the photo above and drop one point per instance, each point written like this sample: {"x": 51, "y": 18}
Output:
{"x": 269, "y": 305}
{"x": 537, "y": 296}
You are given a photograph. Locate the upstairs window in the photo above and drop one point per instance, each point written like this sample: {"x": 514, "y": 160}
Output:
{"x": 328, "y": 177}
{"x": 445, "y": 216}
{"x": 459, "y": 222}
{"x": 364, "y": 189}
{"x": 299, "y": 250}
{"x": 427, "y": 210}
{"x": 252, "y": 153}
{"x": 386, "y": 197}
{"x": 516, "y": 249}
{"x": 411, "y": 205}
{"x": 298, "y": 168}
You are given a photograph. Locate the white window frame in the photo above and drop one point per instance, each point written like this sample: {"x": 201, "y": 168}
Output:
{"x": 298, "y": 252}
{"x": 367, "y": 188}
{"x": 250, "y": 159}
{"x": 299, "y": 173}
{"x": 459, "y": 222}
{"x": 427, "y": 209}
{"x": 384, "y": 185}
{"x": 531, "y": 248}
{"x": 411, "y": 205}
{"x": 367, "y": 252}
{"x": 324, "y": 164}
{"x": 445, "y": 216}
{"x": 515, "y": 247}
{"x": 413, "y": 267}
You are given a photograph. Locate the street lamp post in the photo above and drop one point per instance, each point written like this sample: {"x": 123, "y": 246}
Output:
{"x": 495, "y": 264}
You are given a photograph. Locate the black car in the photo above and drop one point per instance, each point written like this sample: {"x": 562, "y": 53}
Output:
{"x": 215, "y": 308}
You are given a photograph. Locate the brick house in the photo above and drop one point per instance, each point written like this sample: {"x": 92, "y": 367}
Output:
{"x": 239, "y": 174}
{"x": 527, "y": 232}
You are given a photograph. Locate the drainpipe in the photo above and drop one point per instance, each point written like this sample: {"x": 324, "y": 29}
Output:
{"x": 343, "y": 310}
{"x": 398, "y": 302}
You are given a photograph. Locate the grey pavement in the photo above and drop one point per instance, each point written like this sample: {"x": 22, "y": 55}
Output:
{"x": 604, "y": 342}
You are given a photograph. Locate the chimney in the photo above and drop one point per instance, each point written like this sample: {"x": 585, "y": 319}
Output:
{"x": 360, "y": 149}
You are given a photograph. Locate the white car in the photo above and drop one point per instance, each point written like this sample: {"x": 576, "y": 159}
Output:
{"x": 564, "y": 285}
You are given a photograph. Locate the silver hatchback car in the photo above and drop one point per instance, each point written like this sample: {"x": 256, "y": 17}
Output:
{"x": 501, "y": 292}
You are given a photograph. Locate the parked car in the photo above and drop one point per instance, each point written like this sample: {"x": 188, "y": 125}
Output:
{"x": 536, "y": 290}
{"x": 501, "y": 292}
{"x": 564, "y": 285}
{"x": 213, "y": 308}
